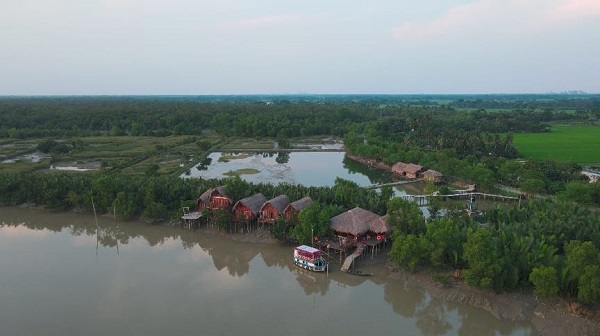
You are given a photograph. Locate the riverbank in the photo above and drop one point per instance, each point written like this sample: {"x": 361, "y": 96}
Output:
{"x": 551, "y": 317}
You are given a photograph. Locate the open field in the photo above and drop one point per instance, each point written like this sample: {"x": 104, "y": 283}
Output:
{"x": 132, "y": 154}
{"x": 576, "y": 143}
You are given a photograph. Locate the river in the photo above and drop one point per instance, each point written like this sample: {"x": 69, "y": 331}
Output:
{"x": 61, "y": 276}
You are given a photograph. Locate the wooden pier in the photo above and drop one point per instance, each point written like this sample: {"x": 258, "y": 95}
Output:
{"x": 190, "y": 219}
{"x": 350, "y": 259}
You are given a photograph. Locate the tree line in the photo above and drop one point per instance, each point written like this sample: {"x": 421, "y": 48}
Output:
{"x": 551, "y": 245}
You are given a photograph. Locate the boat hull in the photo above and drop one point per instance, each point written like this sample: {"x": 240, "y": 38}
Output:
{"x": 311, "y": 266}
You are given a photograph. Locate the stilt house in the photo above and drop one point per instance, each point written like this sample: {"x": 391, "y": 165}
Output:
{"x": 214, "y": 198}
{"x": 293, "y": 209}
{"x": 273, "y": 208}
{"x": 359, "y": 222}
{"x": 246, "y": 210}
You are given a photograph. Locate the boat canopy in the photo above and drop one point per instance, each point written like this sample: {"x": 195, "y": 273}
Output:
{"x": 308, "y": 251}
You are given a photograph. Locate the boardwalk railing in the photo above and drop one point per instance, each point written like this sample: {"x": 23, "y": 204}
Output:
{"x": 422, "y": 199}
{"x": 377, "y": 186}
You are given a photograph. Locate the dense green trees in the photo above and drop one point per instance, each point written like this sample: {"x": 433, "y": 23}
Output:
{"x": 552, "y": 245}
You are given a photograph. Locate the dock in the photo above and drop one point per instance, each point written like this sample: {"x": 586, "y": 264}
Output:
{"x": 350, "y": 259}
{"x": 190, "y": 219}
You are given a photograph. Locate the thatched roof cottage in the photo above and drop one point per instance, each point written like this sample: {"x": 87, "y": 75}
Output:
{"x": 273, "y": 208}
{"x": 358, "y": 221}
{"x": 293, "y": 209}
{"x": 214, "y": 198}
{"x": 247, "y": 209}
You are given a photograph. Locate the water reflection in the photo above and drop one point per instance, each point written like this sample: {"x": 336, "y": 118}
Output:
{"x": 306, "y": 168}
{"x": 167, "y": 280}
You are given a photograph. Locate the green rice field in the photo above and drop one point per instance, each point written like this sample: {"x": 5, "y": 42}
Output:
{"x": 575, "y": 143}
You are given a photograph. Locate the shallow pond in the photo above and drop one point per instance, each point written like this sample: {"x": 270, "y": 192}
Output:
{"x": 61, "y": 275}
{"x": 305, "y": 168}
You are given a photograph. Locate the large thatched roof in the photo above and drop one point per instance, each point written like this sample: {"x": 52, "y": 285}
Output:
{"x": 279, "y": 203}
{"x": 359, "y": 221}
{"x": 253, "y": 202}
{"x": 300, "y": 204}
{"x": 380, "y": 225}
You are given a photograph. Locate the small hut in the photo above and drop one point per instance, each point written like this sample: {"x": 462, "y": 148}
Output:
{"x": 409, "y": 170}
{"x": 412, "y": 170}
{"x": 273, "y": 208}
{"x": 246, "y": 210}
{"x": 293, "y": 209}
{"x": 398, "y": 168}
{"x": 432, "y": 175}
{"x": 214, "y": 198}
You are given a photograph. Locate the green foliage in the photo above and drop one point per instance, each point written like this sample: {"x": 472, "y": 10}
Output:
{"x": 443, "y": 242}
{"x": 407, "y": 251}
{"x": 580, "y": 255}
{"x": 54, "y": 147}
{"x": 282, "y": 230}
{"x": 532, "y": 186}
{"x": 589, "y": 285}
{"x": 405, "y": 217}
{"x": 482, "y": 258}
{"x": 545, "y": 280}
{"x": 313, "y": 221}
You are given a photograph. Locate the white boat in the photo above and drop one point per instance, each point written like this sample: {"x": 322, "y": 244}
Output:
{"x": 309, "y": 258}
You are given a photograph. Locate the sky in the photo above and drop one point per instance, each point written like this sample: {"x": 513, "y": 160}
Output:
{"x": 198, "y": 47}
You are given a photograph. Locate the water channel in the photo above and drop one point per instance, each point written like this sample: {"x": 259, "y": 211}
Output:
{"x": 61, "y": 275}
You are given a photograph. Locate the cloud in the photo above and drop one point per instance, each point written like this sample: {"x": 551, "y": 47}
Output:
{"x": 272, "y": 21}
{"x": 497, "y": 18}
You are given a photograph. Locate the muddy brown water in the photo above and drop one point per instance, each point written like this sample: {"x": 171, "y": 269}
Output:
{"x": 59, "y": 275}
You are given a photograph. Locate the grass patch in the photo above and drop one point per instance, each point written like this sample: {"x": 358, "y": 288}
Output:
{"x": 246, "y": 171}
{"x": 227, "y": 158}
{"x": 567, "y": 143}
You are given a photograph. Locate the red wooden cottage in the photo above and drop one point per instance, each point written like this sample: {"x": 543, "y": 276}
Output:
{"x": 246, "y": 210}
{"x": 272, "y": 209}
{"x": 293, "y": 209}
{"x": 214, "y": 198}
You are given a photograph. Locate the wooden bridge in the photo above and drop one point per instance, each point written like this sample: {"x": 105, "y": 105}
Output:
{"x": 377, "y": 186}
{"x": 350, "y": 259}
{"x": 423, "y": 199}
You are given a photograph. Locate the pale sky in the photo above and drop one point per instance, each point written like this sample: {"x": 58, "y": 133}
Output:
{"x": 105, "y": 47}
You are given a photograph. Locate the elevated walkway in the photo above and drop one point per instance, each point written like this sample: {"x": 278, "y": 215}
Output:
{"x": 350, "y": 259}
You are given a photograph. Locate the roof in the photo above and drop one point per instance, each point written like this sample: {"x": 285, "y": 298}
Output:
{"x": 205, "y": 197}
{"x": 398, "y": 166}
{"x": 279, "y": 203}
{"x": 380, "y": 225}
{"x": 357, "y": 222}
{"x": 412, "y": 168}
{"x": 432, "y": 173}
{"x": 300, "y": 204}
{"x": 253, "y": 202}
{"x": 308, "y": 249}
